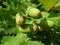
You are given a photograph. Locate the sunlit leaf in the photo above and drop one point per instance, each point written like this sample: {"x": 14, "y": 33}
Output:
{"x": 48, "y": 3}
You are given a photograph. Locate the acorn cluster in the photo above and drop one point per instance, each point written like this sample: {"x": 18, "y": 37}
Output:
{"x": 33, "y": 28}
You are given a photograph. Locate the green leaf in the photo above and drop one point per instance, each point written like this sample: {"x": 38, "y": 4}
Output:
{"x": 35, "y": 43}
{"x": 54, "y": 44}
{"x": 17, "y": 40}
{"x": 58, "y": 3}
{"x": 48, "y": 3}
{"x": 45, "y": 14}
{"x": 15, "y": 30}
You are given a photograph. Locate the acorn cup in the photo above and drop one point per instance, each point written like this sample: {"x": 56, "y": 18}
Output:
{"x": 19, "y": 20}
{"x": 24, "y": 30}
{"x": 33, "y": 12}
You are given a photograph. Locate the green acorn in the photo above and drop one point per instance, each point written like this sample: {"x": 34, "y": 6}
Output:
{"x": 33, "y": 12}
{"x": 50, "y": 23}
{"x": 35, "y": 28}
{"x": 19, "y": 19}
{"x": 40, "y": 28}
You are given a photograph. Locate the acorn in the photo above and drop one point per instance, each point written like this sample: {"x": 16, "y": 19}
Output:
{"x": 50, "y": 23}
{"x": 19, "y": 19}
{"x": 35, "y": 28}
{"x": 40, "y": 28}
{"x": 33, "y": 12}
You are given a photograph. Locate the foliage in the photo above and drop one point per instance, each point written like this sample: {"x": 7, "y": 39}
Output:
{"x": 34, "y": 31}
